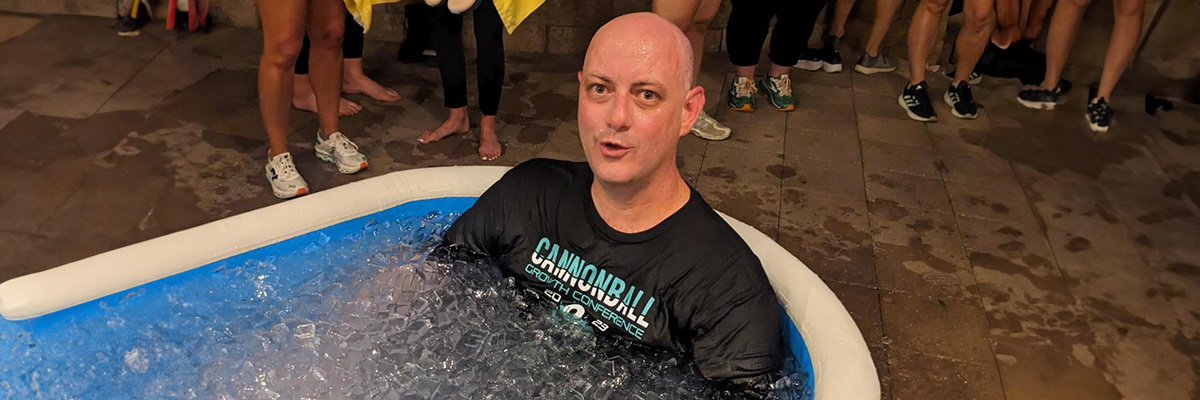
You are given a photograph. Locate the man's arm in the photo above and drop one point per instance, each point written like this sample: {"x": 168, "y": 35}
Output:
{"x": 487, "y": 228}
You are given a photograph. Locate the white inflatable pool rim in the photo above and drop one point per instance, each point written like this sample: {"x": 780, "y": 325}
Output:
{"x": 841, "y": 362}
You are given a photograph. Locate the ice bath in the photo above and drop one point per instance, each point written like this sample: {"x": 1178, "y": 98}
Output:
{"x": 348, "y": 306}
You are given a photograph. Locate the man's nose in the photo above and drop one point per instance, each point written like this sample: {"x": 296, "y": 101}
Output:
{"x": 618, "y": 115}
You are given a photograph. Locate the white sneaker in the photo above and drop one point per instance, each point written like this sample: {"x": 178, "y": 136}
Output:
{"x": 340, "y": 151}
{"x": 286, "y": 182}
{"x": 709, "y": 129}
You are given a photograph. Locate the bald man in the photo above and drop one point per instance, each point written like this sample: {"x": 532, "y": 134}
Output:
{"x": 622, "y": 241}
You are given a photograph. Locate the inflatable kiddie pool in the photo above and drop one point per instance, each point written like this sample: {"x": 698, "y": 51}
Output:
{"x": 823, "y": 339}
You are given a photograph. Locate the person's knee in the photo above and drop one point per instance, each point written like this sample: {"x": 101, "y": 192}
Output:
{"x": 329, "y": 35}
{"x": 700, "y": 24}
{"x": 979, "y": 21}
{"x": 1129, "y": 8}
{"x": 282, "y": 52}
{"x": 935, "y": 6}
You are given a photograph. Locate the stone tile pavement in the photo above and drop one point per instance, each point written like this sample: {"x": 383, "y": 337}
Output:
{"x": 1016, "y": 256}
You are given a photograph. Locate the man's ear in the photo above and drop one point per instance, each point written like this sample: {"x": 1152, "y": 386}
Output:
{"x": 693, "y": 104}
{"x": 579, "y": 76}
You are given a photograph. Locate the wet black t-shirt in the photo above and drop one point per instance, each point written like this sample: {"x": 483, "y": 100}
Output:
{"x": 689, "y": 284}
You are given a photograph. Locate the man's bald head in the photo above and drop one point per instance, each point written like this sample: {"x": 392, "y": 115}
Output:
{"x": 644, "y": 35}
{"x": 636, "y": 99}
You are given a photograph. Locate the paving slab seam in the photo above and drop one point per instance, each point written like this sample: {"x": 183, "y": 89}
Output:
{"x": 978, "y": 299}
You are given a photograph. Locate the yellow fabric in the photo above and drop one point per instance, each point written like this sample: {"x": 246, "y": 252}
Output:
{"x": 513, "y": 12}
{"x": 361, "y": 11}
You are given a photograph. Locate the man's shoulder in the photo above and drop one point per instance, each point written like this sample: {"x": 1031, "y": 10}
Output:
{"x": 714, "y": 240}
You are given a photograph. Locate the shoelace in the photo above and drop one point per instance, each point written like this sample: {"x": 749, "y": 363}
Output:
{"x": 964, "y": 95}
{"x": 284, "y": 167}
{"x": 912, "y": 99}
{"x": 784, "y": 84}
{"x": 1100, "y": 109}
{"x": 343, "y": 144}
{"x": 744, "y": 88}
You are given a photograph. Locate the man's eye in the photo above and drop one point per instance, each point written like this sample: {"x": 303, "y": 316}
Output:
{"x": 599, "y": 89}
{"x": 649, "y": 95}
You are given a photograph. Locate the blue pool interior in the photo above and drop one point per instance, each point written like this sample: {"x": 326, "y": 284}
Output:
{"x": 85, "y": 350}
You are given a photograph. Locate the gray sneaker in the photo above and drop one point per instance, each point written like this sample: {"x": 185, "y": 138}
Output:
{"x": 709, "y": 129}
{"x": 868, "y": 65}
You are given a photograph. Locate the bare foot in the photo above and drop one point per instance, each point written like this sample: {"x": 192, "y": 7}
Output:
{"x": 489, "y": 143}
{"x": 361, "y": 84}
{"x": 308, "y": 102}
{"x": 451, "y": 126}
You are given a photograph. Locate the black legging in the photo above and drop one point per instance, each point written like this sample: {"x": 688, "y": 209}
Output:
{"x": 750, "y": 20}
{"x": 352, "y": 45}
{"x": 489, "y": 49}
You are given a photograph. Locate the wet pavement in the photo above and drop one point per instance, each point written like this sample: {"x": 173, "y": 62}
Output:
{"x": 1015, "y": 256}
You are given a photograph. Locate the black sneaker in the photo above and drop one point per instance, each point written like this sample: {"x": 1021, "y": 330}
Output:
{"x": 915, "y": 101}
{"x": 1099, "y": 115}
{"x": 831, "y": 58}
{"x": 810, "y": 60}
{"x": 1040, "y": 98}
{"x": 961, "y": 103}
{"x": 126, "y": 26}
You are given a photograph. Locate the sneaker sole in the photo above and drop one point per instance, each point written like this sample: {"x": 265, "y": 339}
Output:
{"x": 341, "y": 168}
{"x": 285, "y": 195}
{"x": 914, "y": 117}
{"x": 1036, "y": 105}
{"x": 808, "y": 65}
{"x": 1095, "y": 128}
{"x": 871, "y": 70}
{"x": 711, "y": 138}
{"x": 953, "y": 111}
{"x": 831, "y": 68}
{"x": 787, "y": 108}
{"x": 746, "y": 108}
{"x": 129, "y": 34}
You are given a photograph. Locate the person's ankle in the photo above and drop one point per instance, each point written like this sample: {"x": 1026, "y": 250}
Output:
{"x": 354, "y": 76}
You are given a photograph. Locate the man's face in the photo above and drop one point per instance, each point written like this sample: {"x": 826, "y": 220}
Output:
{"x": 632, "y": 111}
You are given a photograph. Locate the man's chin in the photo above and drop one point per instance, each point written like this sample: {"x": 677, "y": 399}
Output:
{"x": 614, "y": 173}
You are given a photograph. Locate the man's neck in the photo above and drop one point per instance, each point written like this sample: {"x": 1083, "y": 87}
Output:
{"x": 639, "y": 206}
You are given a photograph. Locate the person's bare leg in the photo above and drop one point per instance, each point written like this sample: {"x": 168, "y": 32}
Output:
{"x": 355, "y": 81}
{"x": 744, "y": 72}
{"x": 457, "y": 122}
{"x": 921, "y": 36}
{"x": 777, "y": 70}
{"x": 326, "y": 23}
{"x": 686, "y": 14}
{"x": 489, "y": 143}
{"x": 283, "y": 24}
{"x": 303, "y": 98}
{"x": 885, "y": 10}
{"x": 841, "y": 13}
{"x": 1063, "y": 27}
{"x": 1127, "y": 27}
{"x": 1008, "y": 21}
{"x": 1038, "y": 10}
{"x": 979, "y": 20}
